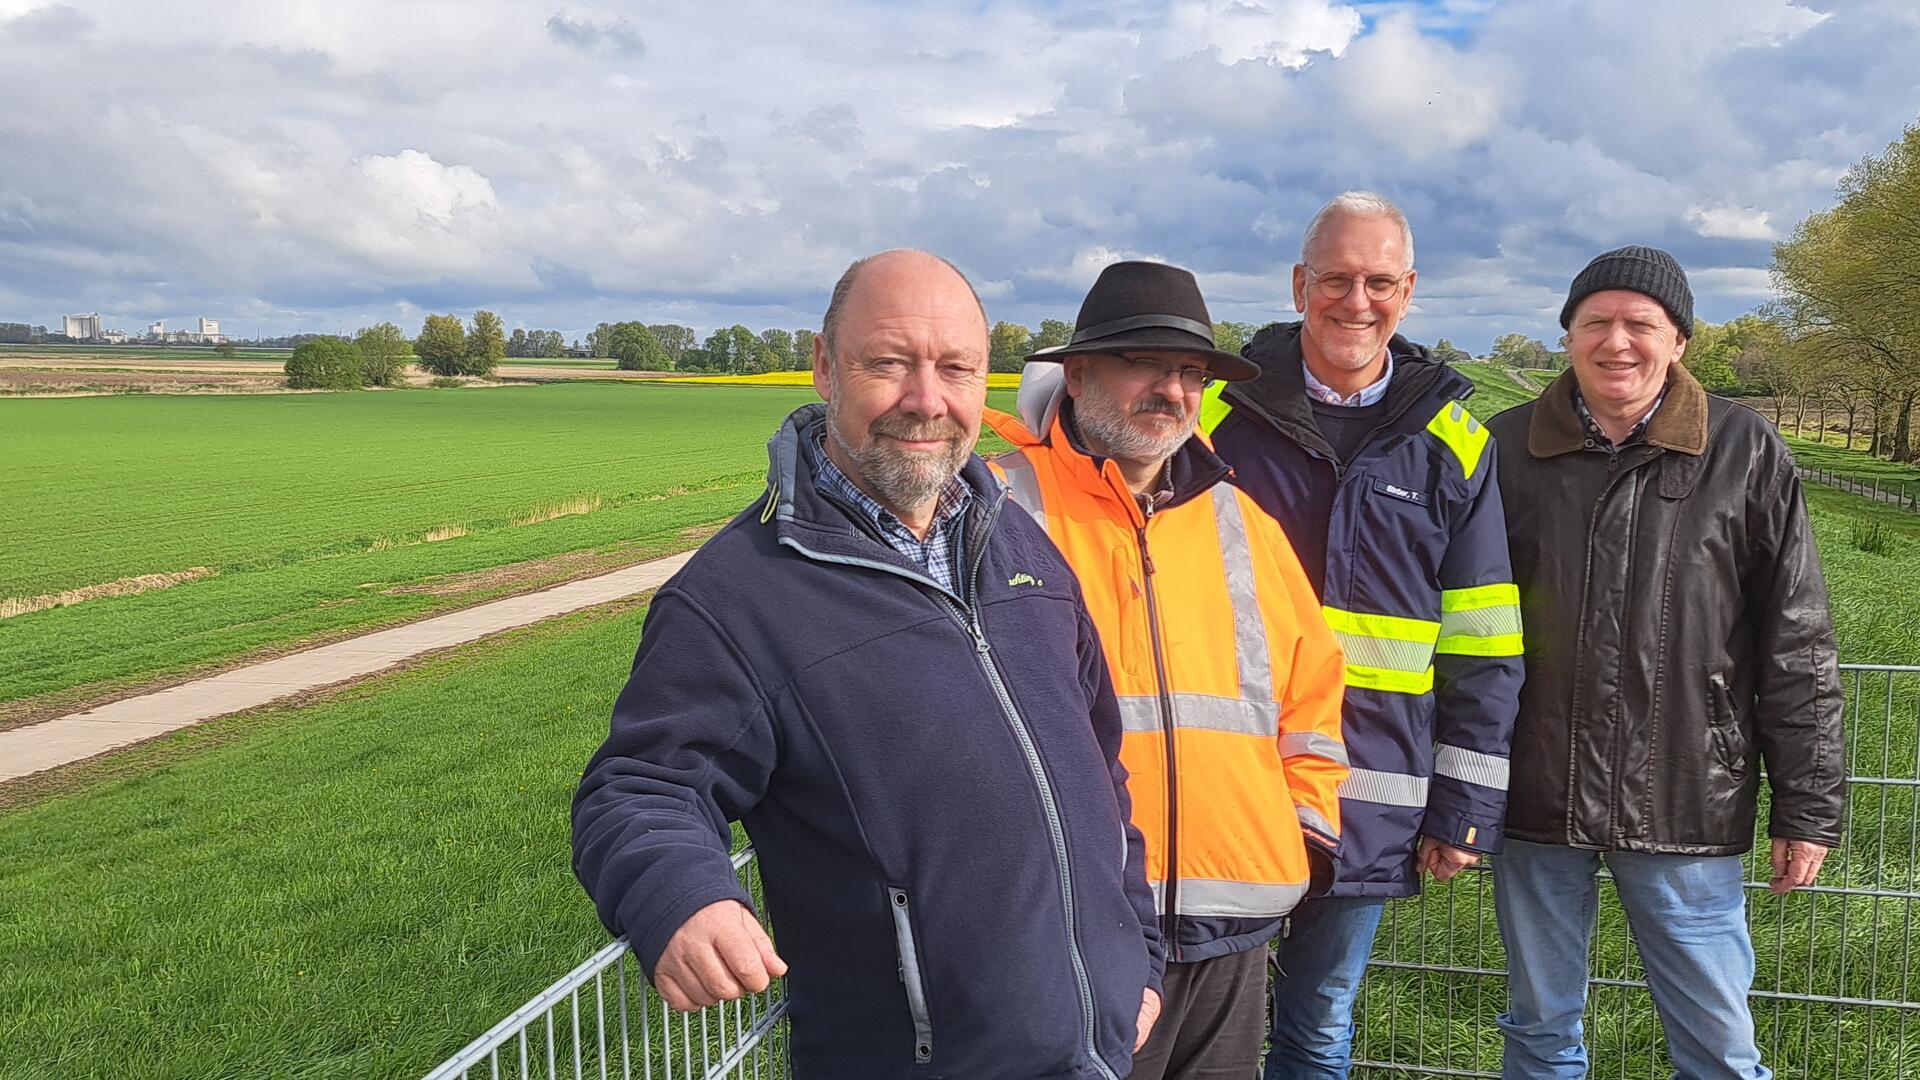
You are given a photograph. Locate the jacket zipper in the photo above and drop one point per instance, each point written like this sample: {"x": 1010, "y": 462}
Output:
{"x": 1171, "y": 918}
{"x": 969, "y": 619}
{"x": 1580, "y": 710}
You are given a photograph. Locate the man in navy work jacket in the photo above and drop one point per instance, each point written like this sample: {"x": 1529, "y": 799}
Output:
{"x": 1357, "y": 441}
{"x": 890, "y": 677}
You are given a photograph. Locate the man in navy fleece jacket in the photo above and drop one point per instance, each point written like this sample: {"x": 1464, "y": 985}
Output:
{"x": 895, "y": 685}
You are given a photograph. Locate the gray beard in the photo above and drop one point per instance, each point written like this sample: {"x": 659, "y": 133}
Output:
{"x": 903, "y": 479}
{"x": 1098, "y": 414}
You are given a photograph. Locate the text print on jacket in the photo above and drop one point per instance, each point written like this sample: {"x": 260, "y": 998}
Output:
{"x": 1229, "y": 680}
{"x": 1406, "y": 542}
{"x": 931, "y": 782}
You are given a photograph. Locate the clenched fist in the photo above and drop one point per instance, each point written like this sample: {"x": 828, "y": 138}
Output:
{"x": 720, "y": 954}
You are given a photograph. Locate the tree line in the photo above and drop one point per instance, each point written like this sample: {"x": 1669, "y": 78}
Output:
{"x": 1848, "y": 309}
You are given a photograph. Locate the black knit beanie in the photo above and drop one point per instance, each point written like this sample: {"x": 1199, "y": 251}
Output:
{"x": 1644, "y": 270}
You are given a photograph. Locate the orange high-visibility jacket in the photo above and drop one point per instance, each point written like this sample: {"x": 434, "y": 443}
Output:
{"x": 1229, "y": 680}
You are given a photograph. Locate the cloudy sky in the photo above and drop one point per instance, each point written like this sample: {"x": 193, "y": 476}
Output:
{"x": 326, "y": 164}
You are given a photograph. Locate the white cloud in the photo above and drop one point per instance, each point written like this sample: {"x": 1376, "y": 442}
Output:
{"x": 333, "y": 164}
{"x": 1733, "y": 223}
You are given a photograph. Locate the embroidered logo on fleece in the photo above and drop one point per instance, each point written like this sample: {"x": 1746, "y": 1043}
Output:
{"x": 1024, "y": 579}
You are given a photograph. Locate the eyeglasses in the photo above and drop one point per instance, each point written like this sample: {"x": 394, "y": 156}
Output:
{"x": 1337, "y": 286}
{"x": 1151, "y": 371}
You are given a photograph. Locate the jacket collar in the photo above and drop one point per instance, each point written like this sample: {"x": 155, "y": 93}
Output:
{"x": 1279, "y": 395}
{"x": 810, "y": 523}
{"x": 1193, "y": 469}
{"x": 1680, "y": 424}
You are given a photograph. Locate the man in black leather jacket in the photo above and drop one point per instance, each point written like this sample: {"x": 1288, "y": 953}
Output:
{"x": 1677, "y": 637}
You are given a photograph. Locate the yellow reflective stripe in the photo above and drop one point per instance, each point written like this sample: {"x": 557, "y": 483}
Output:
{"x": 1470, "y": 645}
{"x": 1480, "y": 596}
{"x": 1480, "y": 621}
{"x": 1462, "y": 434}
{"x": 1390, "y": 627}
{"x": 1213, "y": 407}
{"x": 1396, "y": 682}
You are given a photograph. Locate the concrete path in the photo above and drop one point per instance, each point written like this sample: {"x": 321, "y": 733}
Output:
{"x": 41, "y": 746}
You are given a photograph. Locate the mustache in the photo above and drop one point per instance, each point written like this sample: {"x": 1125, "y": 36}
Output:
{"x": 903, "y": 428}
{"x": 1157, "y": 404}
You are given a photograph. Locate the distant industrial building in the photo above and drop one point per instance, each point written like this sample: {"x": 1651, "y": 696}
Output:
{"x": 210, "y": 329}
{"x": 83, "y": 327}
{"x": 156, "y": 331}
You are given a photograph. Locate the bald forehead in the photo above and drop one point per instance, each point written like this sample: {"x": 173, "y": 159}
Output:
{"x": 911, "y": 281}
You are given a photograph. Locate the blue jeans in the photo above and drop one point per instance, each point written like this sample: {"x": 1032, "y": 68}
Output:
{"x": 1689, "y": 918}
{"x": 1322, "y": 956}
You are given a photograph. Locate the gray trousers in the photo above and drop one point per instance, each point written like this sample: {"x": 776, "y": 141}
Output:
{"x": 1213, "y": 1021}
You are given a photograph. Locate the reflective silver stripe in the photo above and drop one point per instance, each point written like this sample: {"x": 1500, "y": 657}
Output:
{"x": 1230, "y": 899}
{"x": 1023, "y": 482}
{"x": 1312, "y": 742}
{"x": 1249, "y": 629}
{"x": 1312, "y": 819}
{"x": 1368, "y": 651}
{"x": 1496, "y": 621}
{"x": 1206, "y": 712}
{"x": 1392, "y": 789}
{"x": 1471, "y": 766}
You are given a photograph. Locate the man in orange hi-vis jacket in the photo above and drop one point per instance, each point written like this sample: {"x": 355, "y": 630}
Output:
{"x": 1229, "y": 680}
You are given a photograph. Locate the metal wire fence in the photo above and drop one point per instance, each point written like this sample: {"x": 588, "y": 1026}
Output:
{"x": 1837, "y": 992}
{"x": 604, "y": 1020}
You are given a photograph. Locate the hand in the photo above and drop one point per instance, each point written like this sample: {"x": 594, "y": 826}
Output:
{"x": 720, "y": 954}
{"x": 1795, "y": 863}
{"x": 1149, "y": 1012}
{"x": 1444, "y": 860}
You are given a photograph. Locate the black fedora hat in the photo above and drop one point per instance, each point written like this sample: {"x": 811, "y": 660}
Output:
{"x": 1148, "y": 307}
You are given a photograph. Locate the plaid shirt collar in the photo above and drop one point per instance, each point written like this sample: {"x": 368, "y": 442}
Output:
{"x": 1638, "y": 432}
{"x": 936, "y": 554}
{"x": 1366, "y": 395}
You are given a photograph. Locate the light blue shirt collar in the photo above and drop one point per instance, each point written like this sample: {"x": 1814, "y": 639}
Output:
{"x": 1368, "y": 395}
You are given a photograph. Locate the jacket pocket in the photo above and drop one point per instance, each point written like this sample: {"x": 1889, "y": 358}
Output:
{"x": 1729, "y": 741}
{"x": 911, "y": 975}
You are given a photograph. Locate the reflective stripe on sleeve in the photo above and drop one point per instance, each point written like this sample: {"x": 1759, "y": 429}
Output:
{"x": 1480, "y": 621}
{"x": 1471, "y": 766}
{"x": 1391, "y": 789}
{"x": 1295, "y": 743}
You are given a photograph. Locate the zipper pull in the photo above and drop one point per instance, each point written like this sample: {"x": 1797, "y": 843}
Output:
{"x": 1146, "y": 557}
{"x": 980, "y": 644}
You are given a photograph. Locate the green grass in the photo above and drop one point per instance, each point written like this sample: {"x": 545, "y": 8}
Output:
{"x": 352, "y": 889}
{"x": 310, "y": 506}
{"x": 1494, "y": 389}
{"x": 1857, "y": 466}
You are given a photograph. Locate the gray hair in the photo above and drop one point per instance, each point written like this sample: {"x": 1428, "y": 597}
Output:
{"x": 1360, "y": 204}
{"x": 830, "y": 324}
